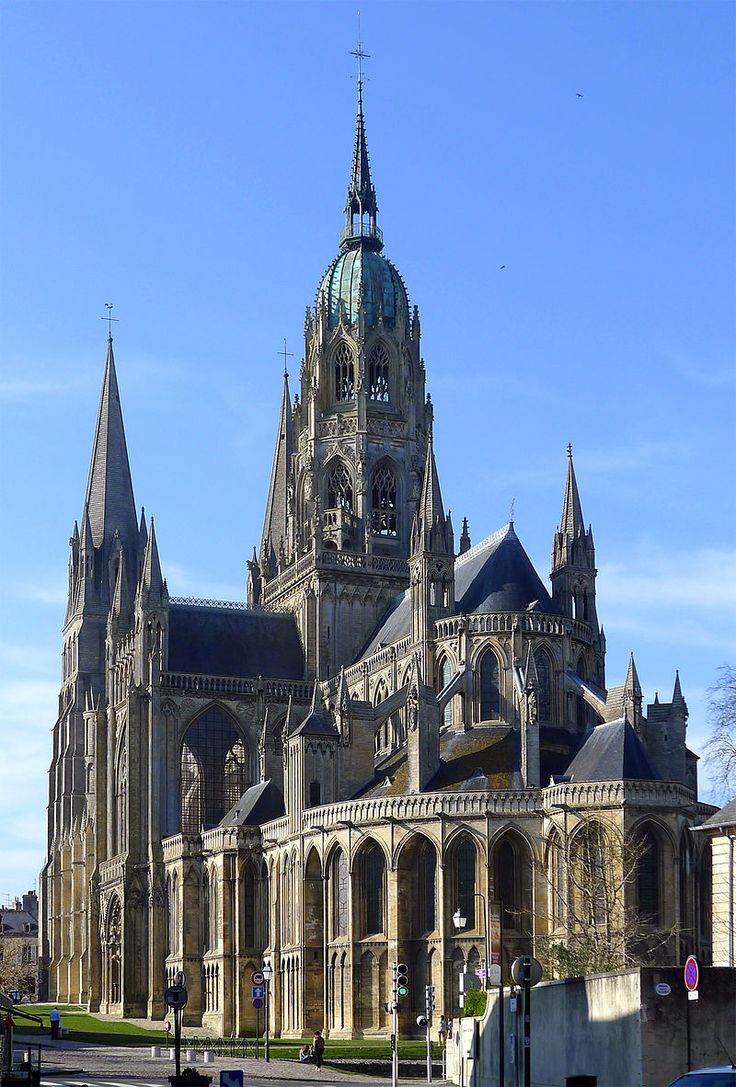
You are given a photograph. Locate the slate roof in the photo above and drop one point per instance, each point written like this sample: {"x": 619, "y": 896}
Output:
{"x": 258, "y": 804}
{"x": 15, "y": 921}
{"x": 495, "y": 575}
{"x": 224, "y": 641}
{"x": 612, "y": 752}
{"x": 726, "y": 817}
{"x": 315, "y": 725}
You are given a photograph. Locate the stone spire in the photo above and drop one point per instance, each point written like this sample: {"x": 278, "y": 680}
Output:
{"x": 108, "y": 502}
{"x": 465, "y": 542}
{"x": 571, "y": 521}
{"x": 632, "y": 696}
{"x": 152, "y": 589}
{"x": 275, "y": 524}
{"x": 432, "y": 530}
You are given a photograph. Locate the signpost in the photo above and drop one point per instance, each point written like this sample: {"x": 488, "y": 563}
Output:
{"x": 691, "y": 974}
{"x": 526, "y": 972}
{"x": 176, "y": 998}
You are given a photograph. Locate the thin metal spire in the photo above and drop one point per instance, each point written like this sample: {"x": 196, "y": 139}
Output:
{"x": 285, "y": 355}
{"x": 109, "y": 318}
{"x": 360, "y": 54}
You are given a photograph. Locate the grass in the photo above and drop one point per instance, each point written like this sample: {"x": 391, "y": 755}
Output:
{"x": 88, "y": 1028}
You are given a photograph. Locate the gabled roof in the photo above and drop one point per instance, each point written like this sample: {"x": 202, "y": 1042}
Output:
{"x": 495, "y": 575}
{"x": 314, "y": 724}
{"x": 726, "y": 817}
{"x": 612, "y": 752}
{"x": 258, "y": 804}
{"x": 228, "y": 641}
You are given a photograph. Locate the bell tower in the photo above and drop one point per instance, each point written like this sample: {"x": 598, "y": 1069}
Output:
{"x": 350, "y": 453}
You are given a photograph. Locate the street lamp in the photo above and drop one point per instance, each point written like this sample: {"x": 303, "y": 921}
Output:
{"x": 459, "y": 921}
{"x": 267, "y": 975}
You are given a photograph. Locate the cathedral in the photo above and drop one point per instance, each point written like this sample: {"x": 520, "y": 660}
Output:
{"x": 391, "y": 750}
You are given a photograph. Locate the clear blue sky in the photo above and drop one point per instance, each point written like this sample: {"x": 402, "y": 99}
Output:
{"x": 188, "y": 162}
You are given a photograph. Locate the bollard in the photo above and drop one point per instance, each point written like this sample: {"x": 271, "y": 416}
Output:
{"x": 155, "y": 1050}
{"x": 209, "y": 1056}
{"x": 192, "y": 1055}
{"x": 172, "y": 1054}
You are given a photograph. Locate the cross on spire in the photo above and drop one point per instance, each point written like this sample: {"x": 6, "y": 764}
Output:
{"x": 285, "y": 355}
{"x": 360, "y": 54}
{"x": 109, "y": 318}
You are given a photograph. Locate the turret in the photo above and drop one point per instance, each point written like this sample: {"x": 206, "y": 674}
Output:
{"x": 574, "y": 572}
{"x": 632, "y": 696}
{"x": 665, "y": 737}
{"x": 432, "y": 560}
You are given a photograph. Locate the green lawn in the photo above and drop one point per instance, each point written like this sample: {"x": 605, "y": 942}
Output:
{"x": 87, "y": 1028}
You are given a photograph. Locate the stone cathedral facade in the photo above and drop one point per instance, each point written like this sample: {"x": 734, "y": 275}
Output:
{"x": 393, "y": 725}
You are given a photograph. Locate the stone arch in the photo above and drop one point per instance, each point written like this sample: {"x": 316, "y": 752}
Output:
{"x": 462, "y": 878}
{"x": 545, "y": 664}
{"x": 489, "y": 684}
{"x": 379, "y": 368}
{"x": 214, "y": 768}
{"x": 444, "y": 672}
{"x": 369, "y": 889}
{"x": 649, "y": 872}
{"x": 313, "y": 928}
{"x": 385, "y": 499}
{"x": 417, "y": 865}
{"x": 342, "y": 367}
{"x": 112, "y": 953}
{"x": 554, "y": 866}
{"x": 512, "y": 867}
{"x": 338, "y": 886}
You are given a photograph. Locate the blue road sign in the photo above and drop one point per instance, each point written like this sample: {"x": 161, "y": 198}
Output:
{"x": 233, "y": 1077}
{"x": 259, "y": 991}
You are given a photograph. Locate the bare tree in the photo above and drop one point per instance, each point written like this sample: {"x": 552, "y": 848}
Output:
{"x": 16, "y": 973}
{"x": 603, "y": 898}
{"x": 720, "y": 750}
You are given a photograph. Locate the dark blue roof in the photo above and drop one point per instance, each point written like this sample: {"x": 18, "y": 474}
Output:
{"x": 612, "y": 752}
{"x": 496, "y": 575}
{"x": 258, "y": 804}
{"x": 222, "y": 641}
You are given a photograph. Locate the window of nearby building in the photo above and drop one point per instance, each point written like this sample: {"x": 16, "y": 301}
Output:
{"x": 378, "y": 374}
{"x": 383, "y": 502}
{"x": 344, "y": 371}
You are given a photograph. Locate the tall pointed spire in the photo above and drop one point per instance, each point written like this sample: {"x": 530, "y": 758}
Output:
{"x": 109, "y": 500}
{"x": 632, "y": 696}
{"x": 275, "y": 523}
{"x": 571, "y": 521}
{"x": 152, "y": 587}
{"x": 361, "y": 207}
{"x": 677, "y": 692}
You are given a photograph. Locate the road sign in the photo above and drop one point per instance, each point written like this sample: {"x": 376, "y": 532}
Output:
{"x": 535, "y": 971}
{"x": 257, "y": 978}
{"x": 692, "y": 973}
{"x": 259, "y": 991}
{"x": 257, "y": 1003}
{"x": 662, "y": 989}
{"x": 480, "y": 972}
{"x": 167, "y": 1026}
{"x": 175, "y": 997}
{"x": 233, "y": 1077}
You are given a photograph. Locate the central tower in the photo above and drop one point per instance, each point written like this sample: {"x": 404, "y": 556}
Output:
{"x": 349, "y": 461}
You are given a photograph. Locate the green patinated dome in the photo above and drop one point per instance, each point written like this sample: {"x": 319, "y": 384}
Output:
{"x": 357, "y": 271}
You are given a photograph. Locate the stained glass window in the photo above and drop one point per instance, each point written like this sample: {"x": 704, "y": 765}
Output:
{"x": 214, "y": 771}
{"x": 490, "y": 698}
{"x": 373, "y": 872}
{"x": 378, "y": 374}
{"x": 425, "y": 907}
{"x": 544, "y": 673}
{"x": 383, "y": 501}
{"x": 340, "y": 489}
{"x": 340, "y": 895}
{"x": 648, "y": 879}
{"x": 344, "y": 368}
{"x": 465, "y": 880}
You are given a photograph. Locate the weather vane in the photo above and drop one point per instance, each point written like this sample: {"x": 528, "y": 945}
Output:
{"x": 109, "y": 318}
{"x": 360, "y": 54}
{"x": 285, "y": 355}
{"x": 511, "y": 511}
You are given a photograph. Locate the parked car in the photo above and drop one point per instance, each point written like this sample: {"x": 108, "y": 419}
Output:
{"x": 708, "y": 1077}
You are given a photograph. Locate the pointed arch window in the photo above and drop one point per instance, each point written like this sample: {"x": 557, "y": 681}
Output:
{"x": 372, "y": 877}
{"x": 383, "y": 502}
{"x": 344, "y": 372}
{"x": 339, "y": 895}
{"x": 445, "y": 675}
{"x": 236, "y": 773}
{"x": 506, "y": 883}
{"x": 424, "y": 914}
{"x": 121, "y": 801}
{"x": 340, "y": 489}
{"x": 648, "y": 888}
{"x": 465, "y": 875}
{"x": 490, "y": 696}
{"x": 378, "y": 374}
{"x": 214, "y": 771}
{"x": 544, "y": 674}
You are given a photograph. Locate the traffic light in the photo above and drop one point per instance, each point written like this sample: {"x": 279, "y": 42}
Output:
{"x": 429, "y": 1003}
{"x": 402, "y": 979}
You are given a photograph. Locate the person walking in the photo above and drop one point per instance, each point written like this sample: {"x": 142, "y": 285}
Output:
{"x": 318, "y": 1048}
{"x": 442, "y": 1030}
{"x": 55, "y": 1023}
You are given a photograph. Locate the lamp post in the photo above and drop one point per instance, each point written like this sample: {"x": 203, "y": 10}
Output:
{"x": 459, "y": 921}
{"x": 267, "y": 975}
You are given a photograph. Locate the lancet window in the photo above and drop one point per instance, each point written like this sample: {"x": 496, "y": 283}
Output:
{"x": 464, "y": 872}
{"x": 544, "y": 673}
{"x": 372, "y": 877}
{"x": 378, "y": 374}
{"x": 214, "y": 771}
{"x": 648, "y": 879}
{"x": 340, "y": 489}
{"x": 344, "y": 371}
{"x": 383, "y": 501}
{"x": 490, "y": 697}
{"x": 339, "y": 895}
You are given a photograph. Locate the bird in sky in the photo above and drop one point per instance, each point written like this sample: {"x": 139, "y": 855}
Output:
{"x": 502, "y": 267}
{"x": 578, "y": 94}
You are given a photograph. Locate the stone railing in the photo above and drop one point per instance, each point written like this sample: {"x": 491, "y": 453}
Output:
{"x": 504, "y": 623}
{"x": 356, "y": 560}
{"x": 370, "y": 665}
{"x": 112, "y": 871}
{"x": 181, "y": 845}
{"x": 419, "y": 806}
{"x": 656, "y": 794}
{"x": 289, "y": 577}
{"x": 235, "y": 685}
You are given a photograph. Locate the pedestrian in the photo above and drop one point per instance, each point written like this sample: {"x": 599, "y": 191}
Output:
{"x": 442, "y": 1030}
{"x": 55, "y": 1023}
{"x": 305, "y": 1053}
{"x": 318, "y": 1048}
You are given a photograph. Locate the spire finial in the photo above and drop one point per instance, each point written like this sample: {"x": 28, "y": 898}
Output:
{"x": 569, "y": 450}
{"x": 109, "y": 318}
{"x": 360, "y": 54}
{"x": 285, "y": 355}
